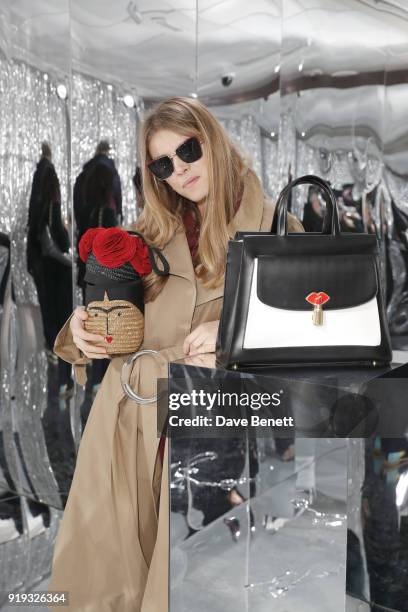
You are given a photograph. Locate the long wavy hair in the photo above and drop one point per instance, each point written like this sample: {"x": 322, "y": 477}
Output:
{"x": 163, "y": 207}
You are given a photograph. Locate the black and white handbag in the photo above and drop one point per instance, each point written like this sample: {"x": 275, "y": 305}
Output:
{"x": 304, "y": 298}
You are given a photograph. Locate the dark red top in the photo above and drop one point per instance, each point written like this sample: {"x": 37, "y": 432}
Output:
{"x": 191, "y": 222}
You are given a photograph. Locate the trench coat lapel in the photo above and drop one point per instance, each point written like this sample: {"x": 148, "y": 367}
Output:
{"x": 247, "y": 218}
{"x": 178, "y": 256}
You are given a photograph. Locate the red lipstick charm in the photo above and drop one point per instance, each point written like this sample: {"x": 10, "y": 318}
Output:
{"x": 317, "y": 299}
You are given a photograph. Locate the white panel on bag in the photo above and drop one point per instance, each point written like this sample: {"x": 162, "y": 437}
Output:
{"x": 269, "y": 327}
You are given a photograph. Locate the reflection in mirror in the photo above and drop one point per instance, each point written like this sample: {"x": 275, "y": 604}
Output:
{"x": 341, "y": 119}
{"x": 37, "y": 452}
{"x": 242, "y": 509}
{"x": 104, "y": 126}
{"x": 341, "y": 108}
{"x": 237, "y": 76}
{"x": 377, "y": 544}
{"x": 210, "y": 523}
{"x": 300, "y": 505}
{"x": 395, "y": 170}
{"x": 123, "y": 56}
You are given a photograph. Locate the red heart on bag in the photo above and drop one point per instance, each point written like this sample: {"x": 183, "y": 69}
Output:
{"x": 317, "y": 298}
{"x": 109, "y": 339}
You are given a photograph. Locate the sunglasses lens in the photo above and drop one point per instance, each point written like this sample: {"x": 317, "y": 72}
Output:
{"x": 190, "y": 151}
{"x": 162, "y": 168}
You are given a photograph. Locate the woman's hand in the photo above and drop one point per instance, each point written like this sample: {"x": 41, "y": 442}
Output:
{"x": 205, "y": 360}
{"x": 92, "y": 345}
{"x": 202, "y": 339}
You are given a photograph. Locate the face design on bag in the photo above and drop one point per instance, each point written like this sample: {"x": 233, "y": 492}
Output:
{"x": 190, "y": 180}
{"x": 119, "y": 321}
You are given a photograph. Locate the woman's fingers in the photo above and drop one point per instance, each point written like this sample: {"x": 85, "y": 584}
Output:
{"x": 188, "y": 341}
{"x": 83, "y": 344}
{"x": 202, "y": 339}
{"x": 92, "y": 345}
{"x": 205, "y": 347}
{"x": 88, "y": 336}
{"x": 202, "y": 343}
{"x": 78, "y": 330}
{"x": 195, "y": 345}
{"x": 91, "y": 350}
{"x": 81, "y": 313}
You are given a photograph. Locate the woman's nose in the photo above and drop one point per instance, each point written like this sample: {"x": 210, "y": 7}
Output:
{"x": 179, "y": 166}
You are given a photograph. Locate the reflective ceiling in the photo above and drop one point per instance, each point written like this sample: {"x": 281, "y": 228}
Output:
{"x": 162, "y": 48}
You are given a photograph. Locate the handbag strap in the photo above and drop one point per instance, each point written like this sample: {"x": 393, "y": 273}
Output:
{"x": 331, "y": 223}
{"x": 152, "y": 252}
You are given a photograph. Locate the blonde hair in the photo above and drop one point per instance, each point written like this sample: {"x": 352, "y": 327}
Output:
{"x": 164, "y": 208}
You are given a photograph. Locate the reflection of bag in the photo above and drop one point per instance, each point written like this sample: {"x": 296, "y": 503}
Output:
{"x": 303, "y": 298}
{"x": 50, "y": 249}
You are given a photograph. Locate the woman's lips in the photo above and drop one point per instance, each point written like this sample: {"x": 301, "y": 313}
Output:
{"x": 191, "y": 181}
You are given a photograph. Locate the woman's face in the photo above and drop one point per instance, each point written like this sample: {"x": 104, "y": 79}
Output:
{"x": 188, "y": 180}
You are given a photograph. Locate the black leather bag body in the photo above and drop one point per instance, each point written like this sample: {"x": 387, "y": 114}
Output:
{"x": 304, "y": 298}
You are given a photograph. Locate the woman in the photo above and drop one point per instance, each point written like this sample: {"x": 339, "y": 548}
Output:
{"x": 112, "y": 548}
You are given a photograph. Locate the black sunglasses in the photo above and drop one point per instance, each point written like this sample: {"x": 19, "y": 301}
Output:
{"x": 189, "y": 152}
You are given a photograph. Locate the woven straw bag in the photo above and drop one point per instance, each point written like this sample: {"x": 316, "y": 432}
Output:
{"x": 114, "y": 291}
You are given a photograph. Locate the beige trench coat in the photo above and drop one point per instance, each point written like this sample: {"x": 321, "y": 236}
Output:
{"x": 112, "y": 548}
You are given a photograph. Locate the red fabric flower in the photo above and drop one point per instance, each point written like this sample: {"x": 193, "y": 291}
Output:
{"x": 140, "y": 261}
{"x": 114, "y": 247}
{"x": 86, "y": 242}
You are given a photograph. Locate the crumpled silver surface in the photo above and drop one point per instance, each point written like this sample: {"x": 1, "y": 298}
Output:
{"x": 397, "y": 309}
{"x": 245, "y": 132}
{"x": 30, "y": 112}
{"x": 398, "y": 187}
{"x": 250, "y": 555}
{"x": 270, "y": 167}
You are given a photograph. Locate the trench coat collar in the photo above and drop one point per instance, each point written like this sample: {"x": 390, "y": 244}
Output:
{"x": 247, "y": 218}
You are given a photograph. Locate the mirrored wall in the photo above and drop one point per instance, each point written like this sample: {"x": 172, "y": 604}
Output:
{"x": 303, "y": 87}
{"x": 37, "y": 449}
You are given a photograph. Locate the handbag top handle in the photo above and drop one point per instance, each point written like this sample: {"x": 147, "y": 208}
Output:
{"x": 331, "y": 223}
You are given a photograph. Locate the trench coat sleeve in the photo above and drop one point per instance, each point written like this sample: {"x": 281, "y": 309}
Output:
{"x": 294, "y": 225}
{"x": 65, "y": 348}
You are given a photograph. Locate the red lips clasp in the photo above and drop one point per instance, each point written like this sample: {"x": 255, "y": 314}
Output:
{"x": 109, "y": 339}
{"x": 317, "y": 298}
